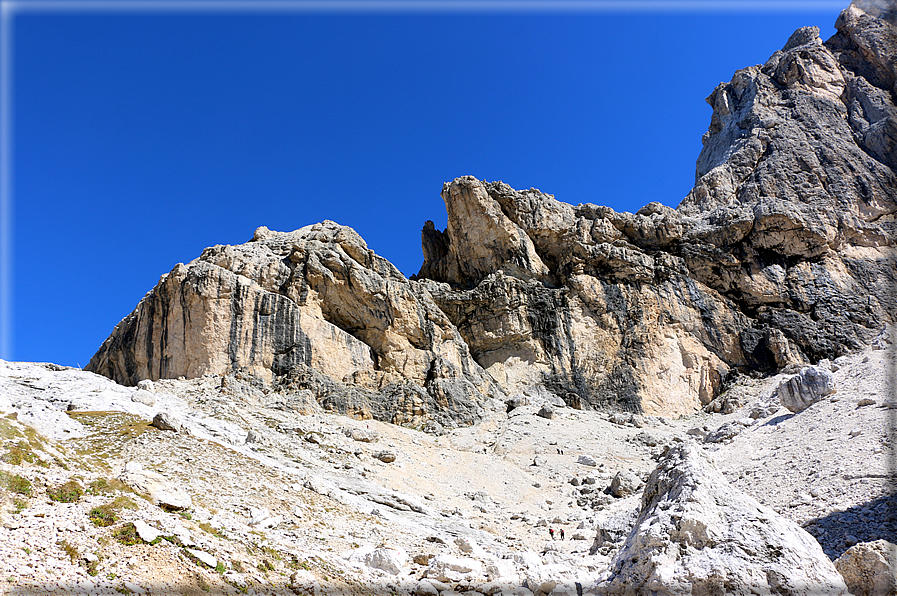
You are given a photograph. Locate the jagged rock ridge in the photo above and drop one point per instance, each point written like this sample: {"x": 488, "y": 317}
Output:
{"x": 781, "y": 254}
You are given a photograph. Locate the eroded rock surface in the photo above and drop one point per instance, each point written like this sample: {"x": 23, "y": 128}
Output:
{"x": 315, "y": 310}
{"x": 781, "y": 255}
{"x": 696, "y": 534}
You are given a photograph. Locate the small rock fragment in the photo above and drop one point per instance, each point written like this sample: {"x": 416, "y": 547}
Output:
{"x": 204, "y": 557}
{"x": 587, "y": 460}
{"x": 624, "y": 484}
{"x": 385, "y": 456}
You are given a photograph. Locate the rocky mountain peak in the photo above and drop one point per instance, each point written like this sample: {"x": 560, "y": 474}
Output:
{"x": 781, "y": 255}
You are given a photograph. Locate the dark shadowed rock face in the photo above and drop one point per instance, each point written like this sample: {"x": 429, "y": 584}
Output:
{"x": 783, "y": 253}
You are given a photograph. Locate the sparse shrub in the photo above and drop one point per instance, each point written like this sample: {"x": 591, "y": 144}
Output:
{"x": 127, "y": 535}
{"x": 19, "y": 485}
{"x": 102, "y": 516}
{"x": 102, "y": 486}
{"x": 70, "y": 550}
{"x": 98, "y": 486}
{"x": 69, "y": 492}
{"x": 106, "y": 515}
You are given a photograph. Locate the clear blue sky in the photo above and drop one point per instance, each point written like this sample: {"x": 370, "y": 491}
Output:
{"x": 142, "y": 137}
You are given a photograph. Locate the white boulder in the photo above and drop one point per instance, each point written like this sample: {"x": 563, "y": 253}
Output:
{"x": 696, "y": 534}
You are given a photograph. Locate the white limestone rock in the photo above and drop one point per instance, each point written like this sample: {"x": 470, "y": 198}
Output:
{"x": 393, "y": 560}
{"x": 161, "y": 491}
{"x": 144, "y": 397}
{"x": 696, "y": 534}
{"x": 450, "y": 568}
{"x": 806, "y": 388}
{"x": 146, "y": 532}
{"x": 204, "y": 557}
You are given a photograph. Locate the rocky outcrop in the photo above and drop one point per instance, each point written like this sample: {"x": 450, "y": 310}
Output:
{"x": 696, "y": 534}
{"x": 782, "y": 254}
{"x": 312, "y": 309}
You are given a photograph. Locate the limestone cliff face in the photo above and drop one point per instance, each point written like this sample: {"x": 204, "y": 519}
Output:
{"x": 311, "y": 309}
{"x": 783, "y": 253}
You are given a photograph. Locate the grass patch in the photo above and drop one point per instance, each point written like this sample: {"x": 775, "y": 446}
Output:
{"x": 107, "y": 431}
{"x": 105, "y": 486}
{"x": 208, "y": 529}
{"x": 19, "y": 453}
{"x": 106, "y": 515}
{"x": 69, "y": 492}
{"x": 16, "y": 484}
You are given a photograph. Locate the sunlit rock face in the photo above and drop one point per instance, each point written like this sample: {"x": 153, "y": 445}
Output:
{"x": 782, "y": 254}
{"x": 311, "y": 309}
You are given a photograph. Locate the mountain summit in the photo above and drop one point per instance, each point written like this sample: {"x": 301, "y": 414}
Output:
{"x": 782, "y": 254}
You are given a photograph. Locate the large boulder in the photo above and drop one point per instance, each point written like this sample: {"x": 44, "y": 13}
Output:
{"x": 806, "y": 388}
{"x": 696, "y": 534}
{"x": 868, "y": 568}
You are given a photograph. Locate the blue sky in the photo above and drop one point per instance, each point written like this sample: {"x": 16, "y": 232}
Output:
{"x": 141, "y": 137}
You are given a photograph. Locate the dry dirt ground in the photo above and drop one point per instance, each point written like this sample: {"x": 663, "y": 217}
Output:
{"x": 290, "y": 503}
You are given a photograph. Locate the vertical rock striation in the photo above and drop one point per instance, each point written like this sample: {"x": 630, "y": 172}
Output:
{"x": 311, "y": 309}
